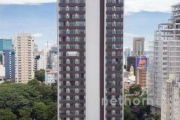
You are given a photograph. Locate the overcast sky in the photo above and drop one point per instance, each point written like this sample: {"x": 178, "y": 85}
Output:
{"x": 39, "y": 18}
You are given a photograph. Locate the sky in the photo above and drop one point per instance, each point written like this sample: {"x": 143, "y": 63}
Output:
{"x": 39, "y": 18}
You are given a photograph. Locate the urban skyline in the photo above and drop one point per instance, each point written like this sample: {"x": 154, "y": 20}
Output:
{"x": 85, "y": 58}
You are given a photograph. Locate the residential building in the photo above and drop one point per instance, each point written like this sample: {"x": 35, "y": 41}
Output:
{"x": 45, "y": 52}
{"x": 41, "y": 61}
{"x": 165, "y": 58}
{"x": 50, "y": 76}
{"x": 170, "y": 106}
{"x": 138, "y": 46}
{"x": 141, "y": 77}
{"x": 9, "y": 64}
{"x": 90, "y": 53}
{"x": 24, "y": 57}
{"x": 35, "y": 54}
{"x": 52, "y": 59}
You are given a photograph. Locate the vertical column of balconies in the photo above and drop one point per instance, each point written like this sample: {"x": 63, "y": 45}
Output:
{"x": 114, "y": 48}
{"x": 72, "y": 59}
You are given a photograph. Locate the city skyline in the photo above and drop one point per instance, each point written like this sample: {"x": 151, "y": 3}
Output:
{"x": 43, "y": 26}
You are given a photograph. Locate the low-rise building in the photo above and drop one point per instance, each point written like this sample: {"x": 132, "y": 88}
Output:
{"x": 2, "y": 73}
{"x": 50, "y": 76}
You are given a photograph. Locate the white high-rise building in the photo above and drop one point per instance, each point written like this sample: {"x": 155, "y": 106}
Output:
{"x": 90, "y": 59}
{"x": 170, "y": 106}
{"x": 41, "y": 62}
{"x": 24, "y": 57}
{"x": 165, "y": 58}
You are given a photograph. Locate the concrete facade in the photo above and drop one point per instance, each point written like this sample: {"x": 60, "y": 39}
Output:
{"x": 24, "y": 57}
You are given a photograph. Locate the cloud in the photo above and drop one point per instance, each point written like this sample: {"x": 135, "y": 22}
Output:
{"x": 135, "y": 6}
{"x": 37, "y": 35}
{"x": 131, "y": 6}
{"x": 26, "y": 1}
{"x": 130, "y": 35}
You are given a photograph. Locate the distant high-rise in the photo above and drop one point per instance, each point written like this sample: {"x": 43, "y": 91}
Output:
{"x": 5, "y": 44}
{"x": 138, "y": 46}
{"x": 24, "y": 57}
{"x": 52, "y": 58}
{"x": 9, "y": 64}
{"x": 131, "y": 60}
{"x": 127, "y": 53}
{"x": 90, "y": 53}
{"x": 36, "y": 56}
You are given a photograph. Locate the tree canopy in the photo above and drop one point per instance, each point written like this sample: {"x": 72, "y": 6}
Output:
{"x": 135, "y": 89}
{"x": 40, "y": 75}
{"x": 27, "y": 101}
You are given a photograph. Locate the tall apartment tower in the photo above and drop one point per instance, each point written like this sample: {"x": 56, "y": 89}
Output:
{"x": 165, "y": 58}
{"x": 170, "y": 106}
{"x": 90, "y": 54}
{"x": 24, "y": 57}
{"x": 138, "y": 46}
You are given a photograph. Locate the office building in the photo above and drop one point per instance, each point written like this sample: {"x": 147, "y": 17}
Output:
{"x": 131, "y": 61}
{"x": 138, "y": 46}
{"x": 170, "y": 106}
{"x": 127, "y": 53}
{"x": 9, "y": 64}
{"x": 165, "y": 58}
{"x": 90, "y": 52}
{"x": 24, "y": 57}
{"x": 6, "y": 44}
{"x": 50, "y": 76}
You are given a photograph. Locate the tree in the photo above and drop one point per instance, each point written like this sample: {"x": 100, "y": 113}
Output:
{"x": 127, "y": 113}
{"x": 40, "y": 111}
{"x": 34, "y": 83}
{"x": 157, "y": 116}
{"x": 25, "y": 113}
{"x": 28, "y": 101}
{"x": 6, "y": 114}
{"x": 40, "y": 75}
{"x": 135, "y": 89}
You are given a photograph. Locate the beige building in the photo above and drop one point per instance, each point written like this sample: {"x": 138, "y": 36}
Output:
{"x": 141, "y": 77}
{"x": 24, "y": 58}
{"x": 170, "y": 105}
